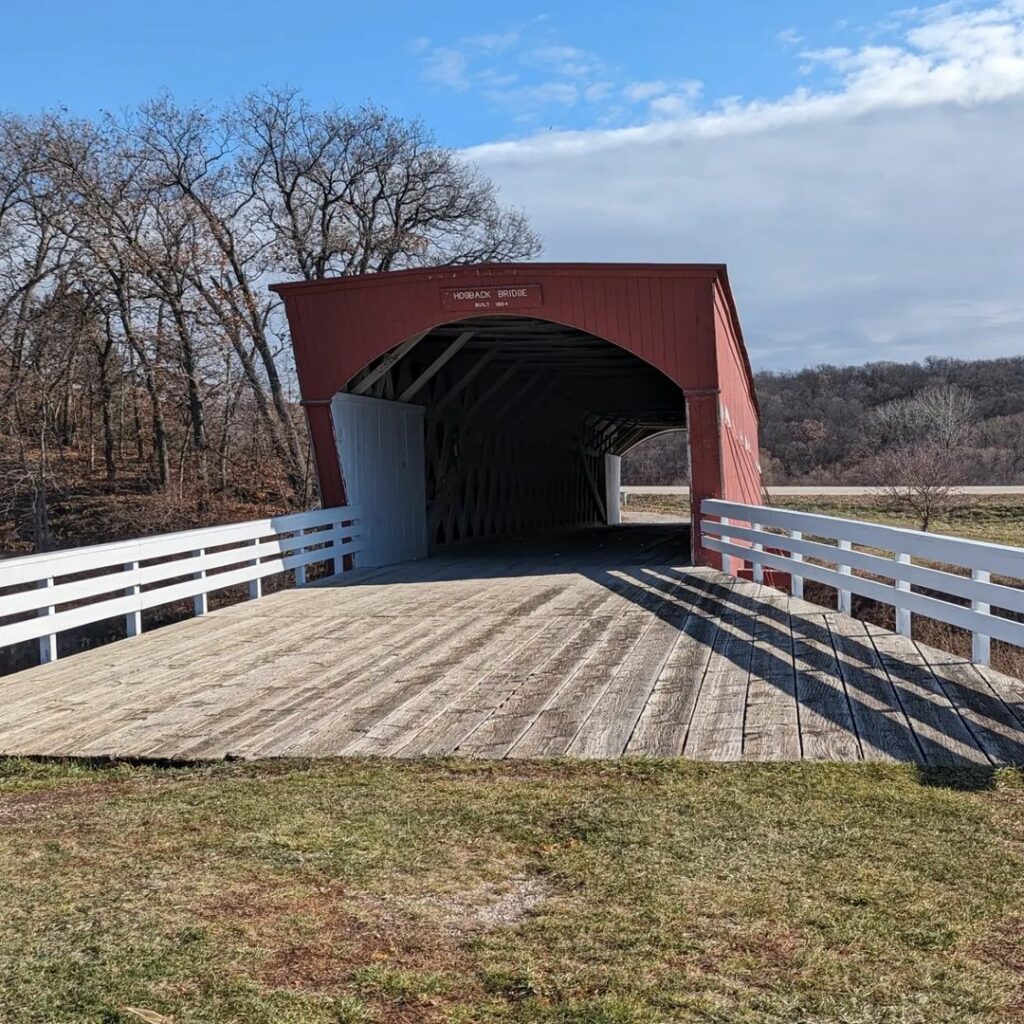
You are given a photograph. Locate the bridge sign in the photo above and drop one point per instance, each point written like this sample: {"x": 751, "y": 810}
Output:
{"x": 492, "y": 297}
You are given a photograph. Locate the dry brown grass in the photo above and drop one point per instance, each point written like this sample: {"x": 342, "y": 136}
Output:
{"x": 446, "y": 892}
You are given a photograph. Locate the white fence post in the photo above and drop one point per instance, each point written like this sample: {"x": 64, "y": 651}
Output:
{"x": 981, "y": 645}
{"x": 796, "y": 583}
{"x": 120, "y": 581}
{"x": 758, "y": 566}
{"x": 199, "y": 602}
{"x": 256, "y": 585}
{"x": 845, "y": 603}
{"x": 906, "y": 569}
{"x": 133, "y": 620}
{"x": 48, "y": 643}
{"x": 726, "y": 559}
{"x": 300, "y": 570}
{"x": 903, "y": 614}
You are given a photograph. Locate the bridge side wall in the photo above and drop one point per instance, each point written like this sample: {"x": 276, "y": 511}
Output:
{"x": 740, "y": 419}
{"x": 678, "y": 318}
{"x": 724, "y": 426}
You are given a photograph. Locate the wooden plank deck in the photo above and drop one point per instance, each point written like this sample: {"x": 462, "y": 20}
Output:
{"x": 592, "y": 644}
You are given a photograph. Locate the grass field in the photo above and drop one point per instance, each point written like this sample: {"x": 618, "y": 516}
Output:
{"x": 998, "y": 519}
{"x": 564, "y": 894}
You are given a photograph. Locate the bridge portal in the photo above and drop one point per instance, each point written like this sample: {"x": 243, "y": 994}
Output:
{"x": 458, "y": 404}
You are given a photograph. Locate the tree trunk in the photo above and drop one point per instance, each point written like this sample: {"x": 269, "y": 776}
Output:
{"x": 161, "y": 453}
{"x": 106, "y": 405}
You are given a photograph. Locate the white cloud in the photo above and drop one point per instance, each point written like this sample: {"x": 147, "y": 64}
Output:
{"x": 875, "y": 218}
{"x": 567, "y": 61}
{"x": 564, "y": 94}
{"x": 522, "y": 69}
{"x": 637, "y": 92}
{"x": 789, "y": 37}
{"x": 495, "y": 42}
{"x": 598, "y": 91}
{"x": 677, "y": 103}
{"x": 447, "y": 67}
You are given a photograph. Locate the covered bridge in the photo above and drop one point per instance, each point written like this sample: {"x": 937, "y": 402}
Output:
{"x": 455, "y": 404}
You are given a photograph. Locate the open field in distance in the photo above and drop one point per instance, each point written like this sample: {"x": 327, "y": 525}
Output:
{"x": 814, "y": 491}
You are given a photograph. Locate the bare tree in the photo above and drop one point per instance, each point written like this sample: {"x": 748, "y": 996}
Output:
{"x": 355, "y": 192}
{"x": 924, "y": 442}
{"x": 135, "y": 254}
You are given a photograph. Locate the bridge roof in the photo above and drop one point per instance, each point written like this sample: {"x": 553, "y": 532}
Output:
{"x": 624, "y": 303}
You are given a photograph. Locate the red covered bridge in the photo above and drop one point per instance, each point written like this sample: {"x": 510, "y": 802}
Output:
{"x": 451, "y": 408}
{"x": 456, "y": 404}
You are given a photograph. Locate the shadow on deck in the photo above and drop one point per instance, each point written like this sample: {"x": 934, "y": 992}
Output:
{"x": 593, "y": 643}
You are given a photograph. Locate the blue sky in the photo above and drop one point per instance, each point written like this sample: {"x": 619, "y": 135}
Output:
{"x": 474, "y": 72}
{"x": 855, "y": 162}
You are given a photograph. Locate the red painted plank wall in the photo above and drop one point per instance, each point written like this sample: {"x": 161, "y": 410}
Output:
{"x": 677, "y": 317}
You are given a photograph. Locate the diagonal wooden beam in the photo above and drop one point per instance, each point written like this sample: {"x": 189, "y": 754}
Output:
{"x": 515, "y": 396}
{"x": 435, "y": 366}
{"x": 374, "y": 375}
{"x": 457, "y": 389}
{"x": 597, "y": 495}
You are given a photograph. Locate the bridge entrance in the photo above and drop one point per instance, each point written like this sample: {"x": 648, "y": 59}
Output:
{"x": 491, "y": 426}
{"x": 458, "y": 405}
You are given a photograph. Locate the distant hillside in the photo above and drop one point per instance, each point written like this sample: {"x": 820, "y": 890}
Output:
{"x": 815, "y": 423}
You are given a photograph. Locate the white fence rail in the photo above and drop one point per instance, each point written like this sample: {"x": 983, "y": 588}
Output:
{"x": 821, "y": 548}
{"x": 42, "y": 595}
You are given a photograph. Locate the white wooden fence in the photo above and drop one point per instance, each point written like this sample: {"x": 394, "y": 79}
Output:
{"x": 821, "y": 548}
{"x": 47, "y": 593}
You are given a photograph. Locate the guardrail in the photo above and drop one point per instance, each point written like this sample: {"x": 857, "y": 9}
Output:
{"x": 61, "y": 590}
{"x": 821, "y": 548}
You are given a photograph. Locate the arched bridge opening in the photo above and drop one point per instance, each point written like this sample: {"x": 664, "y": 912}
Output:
{"x": 458, "y": 404}
{"x": 523, "y": 422}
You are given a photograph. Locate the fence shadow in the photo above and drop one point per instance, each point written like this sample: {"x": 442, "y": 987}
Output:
{"x": 901, "y": 702}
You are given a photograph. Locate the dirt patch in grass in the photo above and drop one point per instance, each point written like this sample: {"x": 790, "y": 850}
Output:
{"x": 482, "y": 907}
{"x": 321, "y": 939}
{"x": 19, "y": 808}
{"x": 346, "y": 891}
{"x": 1003, "y": 946}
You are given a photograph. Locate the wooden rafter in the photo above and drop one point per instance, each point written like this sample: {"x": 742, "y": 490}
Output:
{"x": 435, "y": 367}
{"x": 372, "y": 376}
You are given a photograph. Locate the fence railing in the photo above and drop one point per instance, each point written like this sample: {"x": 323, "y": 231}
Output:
{"x": 45, "y": 594}
{"x": 821, "y": 548}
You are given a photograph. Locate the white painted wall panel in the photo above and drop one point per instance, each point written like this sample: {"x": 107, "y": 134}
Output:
{"x": 613, "y": 488}
{"x": 380, "y": 446}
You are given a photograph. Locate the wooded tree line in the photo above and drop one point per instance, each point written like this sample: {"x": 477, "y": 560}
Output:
{"x": 863, "y": 424}
{"x": 831, "y": 425}
{"x": 137, "y": 335}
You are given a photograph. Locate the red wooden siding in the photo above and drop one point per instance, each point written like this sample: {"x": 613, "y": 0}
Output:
{"x": 679, "y": 318}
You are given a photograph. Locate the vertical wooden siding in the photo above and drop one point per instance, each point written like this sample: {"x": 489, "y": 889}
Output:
{"x": 677, "y": 318}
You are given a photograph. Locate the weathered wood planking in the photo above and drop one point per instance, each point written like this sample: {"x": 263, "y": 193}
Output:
{"x": 771, "y": 731}
{"x": 882, "y": 725}
{"x": 941, "y": 733}
{"x": 592, "y": 644}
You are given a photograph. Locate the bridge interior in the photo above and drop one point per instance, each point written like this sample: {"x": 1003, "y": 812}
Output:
{"x": 520, "y": 414}
{"x": 590, "y": 643}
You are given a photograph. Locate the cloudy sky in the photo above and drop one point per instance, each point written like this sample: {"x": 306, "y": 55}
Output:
{"x": 859, "y": 167}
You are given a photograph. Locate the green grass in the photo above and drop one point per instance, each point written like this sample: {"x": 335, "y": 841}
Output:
{"x": 998, "y": 519}
{"x": 319, "y": 893}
